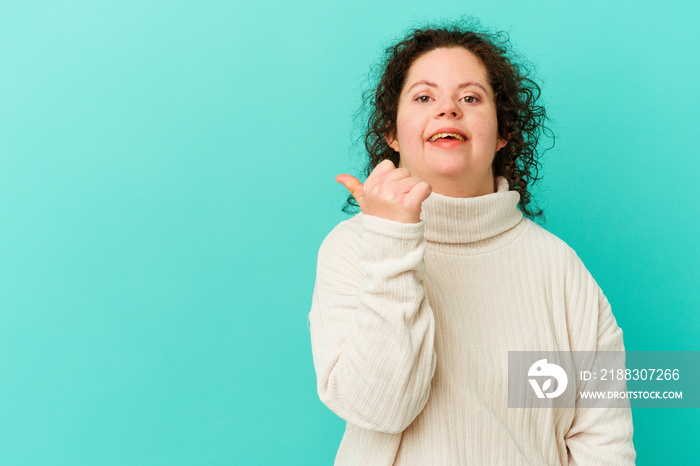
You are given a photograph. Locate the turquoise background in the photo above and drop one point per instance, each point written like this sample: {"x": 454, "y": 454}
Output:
{"x": 166, "y": 179}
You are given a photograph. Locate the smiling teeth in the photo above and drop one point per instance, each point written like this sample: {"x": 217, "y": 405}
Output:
{"x": 444, "y": 135}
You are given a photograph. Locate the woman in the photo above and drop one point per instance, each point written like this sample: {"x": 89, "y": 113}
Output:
{"x": 420, "y": 296}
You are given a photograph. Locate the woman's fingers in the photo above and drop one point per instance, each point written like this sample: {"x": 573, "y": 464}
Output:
{"x": 391, "y": 193}
{"x": 353, "y": 185}
{"x": 398, "y": 174}
{"x": 419, "y": 193}
{"x": 413, "y": 192}
{"x": 382, "y": 167}
{"x": 388, "y": 192}
{"x": 405, "y": 185}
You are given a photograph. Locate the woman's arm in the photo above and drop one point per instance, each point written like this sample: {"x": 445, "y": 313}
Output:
{"x": 372, "y": 329}
{"x": 602, "y": 436}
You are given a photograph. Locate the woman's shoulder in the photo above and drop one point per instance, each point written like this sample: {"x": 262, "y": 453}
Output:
{"x": 347, "y": 228}
{"x": 548, "y": 244}
{"x": 345, "y": 235}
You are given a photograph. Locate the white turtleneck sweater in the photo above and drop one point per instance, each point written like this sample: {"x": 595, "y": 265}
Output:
{"x": 411, "y": 324}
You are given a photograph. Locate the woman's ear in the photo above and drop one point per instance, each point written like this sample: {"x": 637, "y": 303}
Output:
{"x": 391, "y": 141}
{"x": 501, "y": 144}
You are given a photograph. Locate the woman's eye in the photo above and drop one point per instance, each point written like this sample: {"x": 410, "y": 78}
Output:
{"x": 470, "y": 99}
{"x": 423, "y": 98}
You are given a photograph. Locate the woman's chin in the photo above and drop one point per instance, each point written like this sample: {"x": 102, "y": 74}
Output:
{"x": 454, "y": 168}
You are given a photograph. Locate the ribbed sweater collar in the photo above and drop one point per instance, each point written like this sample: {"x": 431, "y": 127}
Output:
{"x": 470, "y": 219}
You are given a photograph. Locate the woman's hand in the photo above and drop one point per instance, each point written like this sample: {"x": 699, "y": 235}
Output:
{"x": 389, "y": 192}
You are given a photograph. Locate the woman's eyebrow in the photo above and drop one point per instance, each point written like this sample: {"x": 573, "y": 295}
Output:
{"x": 464, "y": 84}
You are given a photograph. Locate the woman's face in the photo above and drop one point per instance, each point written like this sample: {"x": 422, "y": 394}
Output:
{"x": 447, "y": 91}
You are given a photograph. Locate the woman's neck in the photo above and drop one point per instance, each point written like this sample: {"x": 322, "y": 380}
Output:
{"x": 449, "y": 219}
{"x": 464, "y": 188}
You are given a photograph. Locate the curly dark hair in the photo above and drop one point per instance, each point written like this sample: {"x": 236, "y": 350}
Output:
{"x": 520, "y": 119}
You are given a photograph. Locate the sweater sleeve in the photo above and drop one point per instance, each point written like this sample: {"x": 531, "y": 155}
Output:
{"x": 372, "y": 328}
{"x": 601, "y": 436}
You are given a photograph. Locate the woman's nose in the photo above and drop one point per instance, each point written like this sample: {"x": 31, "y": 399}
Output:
{"x": 448, "y": 108}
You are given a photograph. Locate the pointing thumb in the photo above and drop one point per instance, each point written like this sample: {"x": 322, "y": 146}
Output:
{"x": 352, "y": 184}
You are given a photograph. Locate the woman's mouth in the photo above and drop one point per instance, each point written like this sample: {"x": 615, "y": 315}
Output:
{"x": 447, "y": 140}
{"x": 447, "y": 136}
